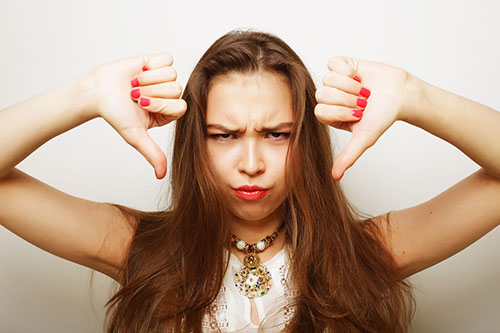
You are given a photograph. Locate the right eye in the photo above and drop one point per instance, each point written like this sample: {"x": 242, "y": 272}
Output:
{"x": 221, "y": 137}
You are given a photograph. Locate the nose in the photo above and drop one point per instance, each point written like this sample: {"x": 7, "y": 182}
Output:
{"x": 251, "y": 161}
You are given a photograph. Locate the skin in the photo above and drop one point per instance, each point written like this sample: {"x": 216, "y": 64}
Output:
{"x": 97, "y": 235}
{"x": 247, "y": 103}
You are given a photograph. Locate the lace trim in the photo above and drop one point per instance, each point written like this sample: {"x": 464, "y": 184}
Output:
{"x": 217, "y": 313}
{"x": 289, "y": 295}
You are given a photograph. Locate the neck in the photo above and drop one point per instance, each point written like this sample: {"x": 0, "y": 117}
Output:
{"x": 253, "y": 231}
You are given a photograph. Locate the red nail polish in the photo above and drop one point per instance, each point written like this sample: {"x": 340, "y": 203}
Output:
{"x": 136, "y": 93}
{"x": 357, "y": 113}
{"x": 365, "y": 92}
{"x": 357, "y": 79}
{"x": 156, "y": 175}
{"x": 134, "y": 82}
{"x": 144, "y": 68}
{"x": 361, "y": 102}
{"x": 144, "y": 101}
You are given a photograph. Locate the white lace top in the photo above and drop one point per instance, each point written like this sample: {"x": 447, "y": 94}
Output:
{"x": 231, "y": 311}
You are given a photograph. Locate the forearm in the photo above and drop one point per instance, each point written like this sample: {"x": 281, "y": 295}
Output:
{"x": 470, "y": 126}
{"x": 29, "y": 124}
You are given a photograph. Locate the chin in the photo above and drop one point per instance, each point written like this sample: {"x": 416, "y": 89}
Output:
{"x": 252, "y": 215}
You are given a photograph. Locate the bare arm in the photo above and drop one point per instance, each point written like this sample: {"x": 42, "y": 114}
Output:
{"x": 428, "y": 233}
{"x": 69, "y": 227}
{"x": 93, "y": 234}
{"x": 27, "y": 125}
{"x": 470, "y": 126}
{"x": 424, "y": 235}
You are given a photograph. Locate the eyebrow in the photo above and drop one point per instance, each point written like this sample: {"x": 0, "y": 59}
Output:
{"x": 263, "y": 130}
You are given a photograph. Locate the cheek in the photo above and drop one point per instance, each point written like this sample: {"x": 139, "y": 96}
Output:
{"x": 222, "y": 159}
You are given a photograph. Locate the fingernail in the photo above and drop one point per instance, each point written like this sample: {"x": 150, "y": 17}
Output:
{"x": 365, "y": 92}
{"x": 156, "y": 174}
{"x": 144, "y": 68}
{"x": 134, "y": 82}
{"x": 357, "y": 79}
{"x": 357, "y": 113}
{"x": 144, "y": 101}
{"x": 361, "y": 102}
{"x": 136, "y": 93}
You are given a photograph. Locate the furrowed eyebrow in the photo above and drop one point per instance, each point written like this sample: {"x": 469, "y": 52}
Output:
{"x": 263, "y": 130}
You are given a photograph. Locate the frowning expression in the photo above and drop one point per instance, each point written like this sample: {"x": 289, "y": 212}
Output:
{"x": 249, "y": 121}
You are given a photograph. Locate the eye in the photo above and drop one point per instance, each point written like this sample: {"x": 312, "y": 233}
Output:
{"x": 221, "y": 137}
{"x": 279, "y": 135}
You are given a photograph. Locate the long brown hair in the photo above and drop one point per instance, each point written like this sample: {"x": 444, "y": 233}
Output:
{"x": 344, "y": 278}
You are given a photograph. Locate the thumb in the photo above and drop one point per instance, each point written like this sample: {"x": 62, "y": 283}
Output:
{"x": 144, "y": 144}
{"x": 349, "y": 155}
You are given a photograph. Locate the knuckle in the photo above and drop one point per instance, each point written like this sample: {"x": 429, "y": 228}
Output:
{"x": 164, "y": 59}
{"x": 322, "y": 113}
{"x": 171, "y": 73}
{"x": 174, "y": 109}
{"x": 321, "y": 93}
{"x": 333, "y": 61}
{"x": 156, "y": 154}
{"x": 318, "y": 111}
{"x": 169, "y": 58}
{"x": 176, "y": 88}
{"x": 182, "y": 106}
{"x": 328, "y": 79}
{"x": 179, "y": 108}
{"x": 158, "y": 60}
{"x": 131, "y": 136}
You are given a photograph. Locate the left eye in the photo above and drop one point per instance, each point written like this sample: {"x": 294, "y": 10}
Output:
{"x": 221, "y": 136}
{"x": 280, "y": 135}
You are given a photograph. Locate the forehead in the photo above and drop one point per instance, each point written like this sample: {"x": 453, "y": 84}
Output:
{"x": 249, "y": 100}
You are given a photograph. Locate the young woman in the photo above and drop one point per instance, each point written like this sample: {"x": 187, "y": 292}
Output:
{"x": 258, "y": 233}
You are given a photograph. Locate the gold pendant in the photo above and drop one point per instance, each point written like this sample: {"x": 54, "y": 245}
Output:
{"x": 251, "y": 260}
{"x": 253, "y": 282}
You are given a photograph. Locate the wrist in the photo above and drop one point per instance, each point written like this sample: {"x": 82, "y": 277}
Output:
{"x": 84, "y": 94}
{"x": 413, "y": 107}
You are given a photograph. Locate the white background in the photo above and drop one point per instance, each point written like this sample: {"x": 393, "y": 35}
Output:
{"x": 451, "y": 44}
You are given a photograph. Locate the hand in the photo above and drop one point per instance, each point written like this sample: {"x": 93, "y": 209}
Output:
{"x": 338, "y": 98}
{"x": 130, "y": 114}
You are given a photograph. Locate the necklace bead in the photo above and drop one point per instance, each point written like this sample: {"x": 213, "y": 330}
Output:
{"x": 241, "y": 245}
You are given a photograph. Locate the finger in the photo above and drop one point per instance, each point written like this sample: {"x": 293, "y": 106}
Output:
{"x": 331, "y": 114}
{"x": 157, "y": 60}
{"x": 334, "y": 96}
{"x": 142, "y": 142}
{"x": 349, "y": 155}
{"x": 172, "y": 108}
{"x": 345, "y": 83}
{"x": 343, "y": 65}
{"x": 162, "y": 90}
{"x": 155, "y": 76}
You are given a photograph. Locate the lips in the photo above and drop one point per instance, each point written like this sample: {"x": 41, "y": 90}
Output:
{"x": 251, "y": 192}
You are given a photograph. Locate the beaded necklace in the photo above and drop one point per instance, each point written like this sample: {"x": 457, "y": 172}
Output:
{"x": 253, "y": 279}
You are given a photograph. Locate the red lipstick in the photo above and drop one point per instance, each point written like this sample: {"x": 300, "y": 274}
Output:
{"x": 251, "y": 192}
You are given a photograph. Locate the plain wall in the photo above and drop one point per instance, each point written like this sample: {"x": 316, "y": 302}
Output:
{"x": 451, "y": 44}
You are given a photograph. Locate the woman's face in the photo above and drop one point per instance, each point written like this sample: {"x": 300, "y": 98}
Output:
{"x": 249, "y": 121}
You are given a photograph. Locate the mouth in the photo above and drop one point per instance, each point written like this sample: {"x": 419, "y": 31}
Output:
{"x": 251, "y": 192}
